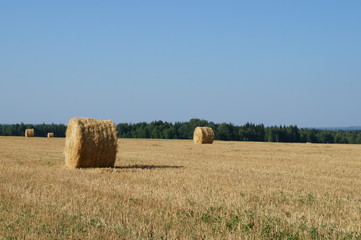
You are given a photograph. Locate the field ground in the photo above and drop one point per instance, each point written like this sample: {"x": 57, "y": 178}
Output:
{"x": 174, "y": 189}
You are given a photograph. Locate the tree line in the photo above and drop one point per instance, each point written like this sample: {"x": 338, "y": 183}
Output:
{"x": 223, "y": 131}
{"x": 41, "y": 130}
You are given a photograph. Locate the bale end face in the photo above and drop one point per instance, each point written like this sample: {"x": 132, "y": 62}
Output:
{"x": 203, "y": 135}
{"x": 50, "y": 135}
{"x": 90, "y": 143}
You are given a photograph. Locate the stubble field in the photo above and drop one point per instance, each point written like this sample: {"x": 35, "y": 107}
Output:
{"x": 175, "y": 189}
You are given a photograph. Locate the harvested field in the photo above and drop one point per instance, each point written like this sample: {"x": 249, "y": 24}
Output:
{"x": 175, "y": 189}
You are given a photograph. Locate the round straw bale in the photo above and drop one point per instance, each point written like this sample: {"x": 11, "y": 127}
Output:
{"x": 203, "y": 135}
{"x": 29, "y": 132}
{"x": 90, "y": 143}
{"x": 50, "y": 135}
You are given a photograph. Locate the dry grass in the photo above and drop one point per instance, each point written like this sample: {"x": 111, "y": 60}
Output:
{"x": 174, "y": 189}
{"x": 50, "y": 135}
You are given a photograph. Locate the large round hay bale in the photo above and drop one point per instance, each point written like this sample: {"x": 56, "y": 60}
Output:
{"x": 203, "y": 135}
{"x": 90, "y": 143}
{"x": 50, "y": 135}
{"x": 29, "y": 132}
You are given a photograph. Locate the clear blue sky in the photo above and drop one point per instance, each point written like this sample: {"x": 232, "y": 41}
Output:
{"x": 272, "y": 62}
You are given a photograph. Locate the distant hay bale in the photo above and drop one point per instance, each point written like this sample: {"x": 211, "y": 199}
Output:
{"x": 90, "y": 143}
{"x": 203, "y": 135}
{"x": 29, "y": 132}
{"x": 50, "y": 135}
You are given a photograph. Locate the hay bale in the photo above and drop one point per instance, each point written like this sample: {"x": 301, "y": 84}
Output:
{"x": 203, "y": 135}
{"x": 50, "y": 135}
{"x": 29, "y": 132}
{"x": 90, "y": 143}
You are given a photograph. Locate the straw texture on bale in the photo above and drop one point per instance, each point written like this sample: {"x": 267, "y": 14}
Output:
{"x": 203, "y": 135}
{"x": 50, "y": 135}
{"x": 29, "y": 132}
{"x": 90, "y": 143}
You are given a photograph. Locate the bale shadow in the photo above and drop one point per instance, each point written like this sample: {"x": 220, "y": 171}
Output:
{"x": 146, "y": 167}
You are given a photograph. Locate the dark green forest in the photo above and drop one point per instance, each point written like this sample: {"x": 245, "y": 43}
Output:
{"x": 40, "y": 130}
{"x": 223, "y": 131}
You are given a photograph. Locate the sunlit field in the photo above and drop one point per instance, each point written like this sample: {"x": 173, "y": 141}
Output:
{"x": 175, "y": 189}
